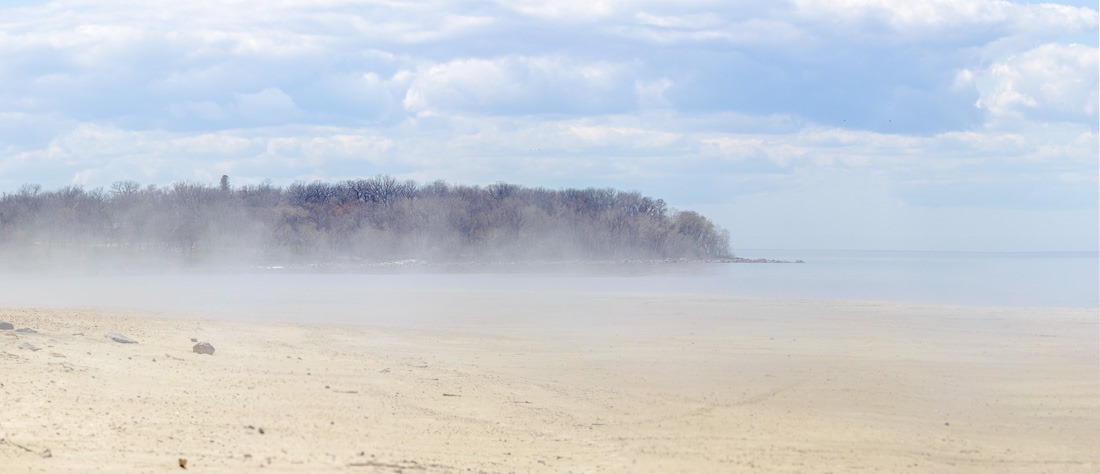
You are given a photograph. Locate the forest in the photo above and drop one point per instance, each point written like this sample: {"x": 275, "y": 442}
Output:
{"x": 378, "y": 219}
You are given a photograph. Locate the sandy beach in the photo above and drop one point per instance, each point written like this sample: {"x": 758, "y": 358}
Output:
{"x": 556, "y": 382}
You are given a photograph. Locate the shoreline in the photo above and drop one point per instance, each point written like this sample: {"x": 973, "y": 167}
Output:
{"x": 288, "y": 291}
{"x": 501, "y": 382}
{"x": 409, "y": 265}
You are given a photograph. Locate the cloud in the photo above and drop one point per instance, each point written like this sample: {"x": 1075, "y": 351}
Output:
{"x": 868, "y": 64}
{"x": 648, "y": 151}
{"x": 942, "y": 103}
{"x": 930, "y": 19}
{"x": 270, "y": 104}
{"x": 567, "y": 10}
{"x": 523, "y": 85}
{"x": 875, "y": 65}
{"x": 205, "y": 110}
{"x": 1052, "y": 82}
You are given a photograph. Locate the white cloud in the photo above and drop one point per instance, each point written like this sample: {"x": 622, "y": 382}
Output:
{"x": 625, "y": 137}
{"x": 523, "y": 85}
{"x": 689, "y": 21}
{"x": 912, "y": 14}
{"x": 566, "y": 10}
{"x": 695, "y": 101}
{"x": 930, "y": 17}
{"x": 1050, "y": 82}
{"x": 712, "y": 29}
{"x": 270, "y": 104}
{"x": 651, "y": 93}
{"x": 202, "y": 110}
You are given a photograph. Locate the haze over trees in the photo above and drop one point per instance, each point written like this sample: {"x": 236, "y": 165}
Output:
{"x": 377, "y": 219}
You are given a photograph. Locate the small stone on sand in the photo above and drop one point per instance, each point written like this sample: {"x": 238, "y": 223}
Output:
{"x": 203, "y": 348}
{"x": 114, "y": 336}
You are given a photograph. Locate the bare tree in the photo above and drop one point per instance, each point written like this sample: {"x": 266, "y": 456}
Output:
{"x": 125, "y": 188}
{"x": 375, "y": 218}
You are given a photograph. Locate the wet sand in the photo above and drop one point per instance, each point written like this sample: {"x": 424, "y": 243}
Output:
{"x": 556, "y": 382}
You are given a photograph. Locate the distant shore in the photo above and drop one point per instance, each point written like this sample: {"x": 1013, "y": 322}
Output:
{"x": 509, "y": 265}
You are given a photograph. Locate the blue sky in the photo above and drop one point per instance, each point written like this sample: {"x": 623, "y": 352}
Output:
{"x": 849, "y": 124}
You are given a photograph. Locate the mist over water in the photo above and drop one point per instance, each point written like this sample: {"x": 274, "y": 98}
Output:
{"x": 983, "y": 279}
{"x": 1070, "y": 279}
{"x": 333, "y": 249}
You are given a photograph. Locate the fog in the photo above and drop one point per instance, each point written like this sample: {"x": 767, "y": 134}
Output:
{"x": 356, "y": 223}
{"x": 466, "y": 296}
{"x": 478, "y": 302}
{"x": 378, "y": 251}
{"x": 371, "y": 251}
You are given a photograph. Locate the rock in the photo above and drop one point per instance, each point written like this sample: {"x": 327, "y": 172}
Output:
{"x": 194, "y": 340}
{"x": 203, "y": 348}
{"x": 4, "y": 325}
{"x": 114, "y": 336}
{"x": 28, "y": 346}
{"x": 26, "y": 331}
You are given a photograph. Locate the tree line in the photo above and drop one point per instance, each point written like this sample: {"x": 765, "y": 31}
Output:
{"x": 370, "y": 220}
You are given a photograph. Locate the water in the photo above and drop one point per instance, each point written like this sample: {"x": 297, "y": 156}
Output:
{"x": 1061, "y": 279}
{"x": 1070, "y": 279}
{"x": 982, "y": 279}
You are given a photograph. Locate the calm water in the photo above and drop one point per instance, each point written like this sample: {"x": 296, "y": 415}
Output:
{"x": 997, "y": 279}
{"x": 970, "y": 278}
{"x": 966, "y": 278}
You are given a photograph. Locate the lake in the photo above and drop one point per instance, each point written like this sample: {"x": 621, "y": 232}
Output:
{"x": 1063, "y": 279}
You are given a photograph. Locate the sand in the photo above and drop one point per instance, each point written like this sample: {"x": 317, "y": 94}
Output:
{"x": 557, "y": 383}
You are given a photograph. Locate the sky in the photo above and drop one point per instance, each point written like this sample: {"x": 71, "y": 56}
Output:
{"x": 801, "y": 124}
